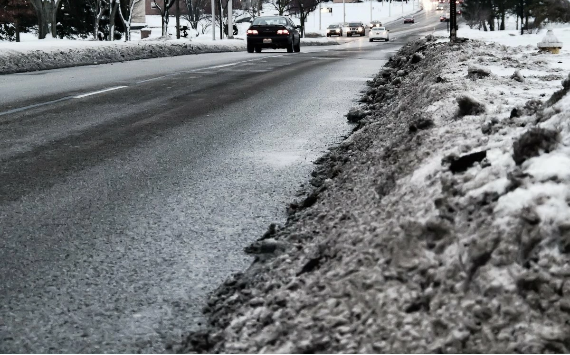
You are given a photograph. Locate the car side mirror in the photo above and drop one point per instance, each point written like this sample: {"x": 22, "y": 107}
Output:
{"x": 298, "y": 27}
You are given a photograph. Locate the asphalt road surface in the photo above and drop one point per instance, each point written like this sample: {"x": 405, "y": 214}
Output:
{"x": 129, "y": 190}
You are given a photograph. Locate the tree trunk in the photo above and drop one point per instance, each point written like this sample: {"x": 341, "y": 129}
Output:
{"x": 54, "y": 18}
{"x": 502, "y": 28}
{"x": 17, "y": 26}
{"x": 46, "y": 11}
{"x": 112, "y": 16}
{"x": 165, "y": 19}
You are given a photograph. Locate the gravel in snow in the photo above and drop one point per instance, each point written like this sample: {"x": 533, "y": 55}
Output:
{"x": 442, "y": 224}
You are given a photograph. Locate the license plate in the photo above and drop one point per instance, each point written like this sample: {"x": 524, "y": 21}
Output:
{"x": 267, "y": 40}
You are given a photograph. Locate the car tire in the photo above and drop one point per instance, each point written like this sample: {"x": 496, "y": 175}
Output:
{"x": 250, "y": 48}
{"x": 258, "y": 49}
{"x": 290, "y": 48}
{"x": 328, "y": 35}
{"x": 370, "y": 40}
{"x": 297, "y": 47}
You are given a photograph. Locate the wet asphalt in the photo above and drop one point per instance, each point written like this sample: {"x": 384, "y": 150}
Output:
{"x": 120, "y": 211}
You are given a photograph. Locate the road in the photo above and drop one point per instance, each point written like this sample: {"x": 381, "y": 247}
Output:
{"x": 129, "y": 190}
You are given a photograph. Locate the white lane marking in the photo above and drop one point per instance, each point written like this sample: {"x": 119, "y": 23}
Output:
{"x": 195, "y": 71}
{"x": 205, "y": 70}
{"x": 99, "y": 92}
{"x": 158, "y": 77}
{"x": 16, "y": 110}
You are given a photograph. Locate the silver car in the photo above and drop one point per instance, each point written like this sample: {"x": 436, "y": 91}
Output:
{"x": 379, "y": 33}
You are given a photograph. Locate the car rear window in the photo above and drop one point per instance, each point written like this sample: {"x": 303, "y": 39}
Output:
{"x": 269, "y": 21}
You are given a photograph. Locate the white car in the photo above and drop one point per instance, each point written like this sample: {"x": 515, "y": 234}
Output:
{"x": 378, "y": 33}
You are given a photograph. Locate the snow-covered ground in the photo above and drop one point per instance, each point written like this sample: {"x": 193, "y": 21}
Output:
{"x": 441, "y": 225}
{"x": 511, "y": 36}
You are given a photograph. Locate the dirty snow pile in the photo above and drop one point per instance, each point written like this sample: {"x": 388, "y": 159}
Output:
{"x": 442, "y": 224}
{"x": 54, "y": 54}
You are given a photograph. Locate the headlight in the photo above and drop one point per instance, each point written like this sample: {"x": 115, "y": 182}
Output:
{"x": 328, "y": 31}
{"x": 360, "y": 28}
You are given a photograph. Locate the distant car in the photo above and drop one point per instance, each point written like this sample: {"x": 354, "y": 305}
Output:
{"x": 459, "y": 11}
{"x": 444, "y": 18}
{"x": 244, "y": 19}
{"x": 273, "y": 32}
{"x": 334, "y": 30}
{"x": 355, "y": 28}
{"x": 439, "y": 7}
{"x": 378, "y": 33}
{"x": 375, "y": 24}
{"x": 409, "y": 20}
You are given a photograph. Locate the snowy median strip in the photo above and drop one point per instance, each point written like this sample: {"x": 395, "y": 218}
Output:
{"x": 99, "y": 92}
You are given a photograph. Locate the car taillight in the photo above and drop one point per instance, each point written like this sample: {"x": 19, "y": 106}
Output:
{"x": 252, "y": 32}
{"x": 282, "y": 32}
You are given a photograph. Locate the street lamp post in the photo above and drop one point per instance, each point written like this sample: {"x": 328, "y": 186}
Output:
{"x": 177, "y": 19}
{"x": 230, "y": 20}
{"x": 343, "y": 11}
{"x": 452, "y": 21}
{"x": 213, "y": 20}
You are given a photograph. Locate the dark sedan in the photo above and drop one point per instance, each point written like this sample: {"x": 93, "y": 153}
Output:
{"x": 409, "y": 20}
{"x": 273, "y": 32}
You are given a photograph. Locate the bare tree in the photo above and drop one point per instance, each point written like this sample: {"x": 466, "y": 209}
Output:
{"x": 196, "y": 12}
{"x": 129, "y": 18}
{"x": 46, "y": 12}
{"x": 164, "y": 9}
{"x": 281, "y": 6}
{"x": 303, "y": 8}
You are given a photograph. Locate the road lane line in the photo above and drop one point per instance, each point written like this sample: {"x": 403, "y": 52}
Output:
{"x": 99, "y": 92}
{"x": 20, "y": 109}
{"x": 194, "y": 71}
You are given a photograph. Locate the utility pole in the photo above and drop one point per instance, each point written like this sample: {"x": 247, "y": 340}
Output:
{"x": 177, "y": 19}
{"x": 230, "y": 20}
{"x": 522, "y": 16}
{"x": 320, "y": 12}
{"x": 370, "y": 10}
{"x": 403, "y": 7}
{"x": 343, "y": 11}
{"x": 213, "y": 20}
{"x": 452, "y": 21}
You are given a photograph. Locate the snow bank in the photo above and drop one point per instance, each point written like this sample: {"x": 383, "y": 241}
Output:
{"x": 53, "y": 54}
{"x": 427, "y": 230}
